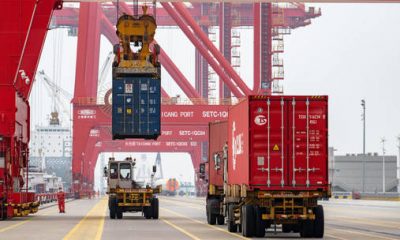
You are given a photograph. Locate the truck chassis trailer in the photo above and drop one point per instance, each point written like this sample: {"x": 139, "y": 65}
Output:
{"x": 267, "y": 166}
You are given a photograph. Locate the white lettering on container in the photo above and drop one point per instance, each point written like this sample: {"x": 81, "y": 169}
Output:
{"x": 237, "y": 145}
{"x": 260, "y": 120}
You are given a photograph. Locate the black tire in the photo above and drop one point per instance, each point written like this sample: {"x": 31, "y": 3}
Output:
{"x": 319, "y": 222}
{"x": 232, "y": 226}
{"x": 220, "y": 219}
{"x": 3, "y": 212}
{"x": 260, "y": 224}
{"x": 148, "y": 212}
{"x": 155, "y": 206}
{"x": 307, "y": 229}
{"x": 248, "y": 220}
{"x": 112, "y": 213}
{"x": 211, "y": 218}
{"x": 296, "y": 228}
{"x": 112, "y": 207}
{"x": 119, "y": 213}
{"x": 287, "y": 228}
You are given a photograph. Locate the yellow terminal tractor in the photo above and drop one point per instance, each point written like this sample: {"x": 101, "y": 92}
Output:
{"x": 128, "y": 195}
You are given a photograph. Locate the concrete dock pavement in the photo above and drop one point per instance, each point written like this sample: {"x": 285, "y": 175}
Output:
{"x": 184, "y": 218}
{"x": 47, "y": 223}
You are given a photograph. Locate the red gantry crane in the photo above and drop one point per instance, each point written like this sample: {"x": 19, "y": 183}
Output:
{"x": 23, "y": 28}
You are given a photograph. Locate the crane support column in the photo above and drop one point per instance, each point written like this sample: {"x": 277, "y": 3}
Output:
{"x": 85, "y": 85}
{"x": 225, "y": 43}
{"x": 23, "y": 28}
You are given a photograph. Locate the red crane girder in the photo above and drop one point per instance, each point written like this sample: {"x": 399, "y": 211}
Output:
{"x": 183, "y": 128}
{"x": 24, "y": 35}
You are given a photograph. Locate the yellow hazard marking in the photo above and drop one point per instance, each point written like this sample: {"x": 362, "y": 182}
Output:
{"x": 368, "y": 234}
{"x": 203, "y": 223}
{"x": 179, "y": 203}
{"x": 180, "y": 229}
{"x": 335, "y": 237}
{"x": 14, "y": 225}
{"x": 91, "y": 226}
{"x": 276, "y": 148}
{"x": 41, "y": 213}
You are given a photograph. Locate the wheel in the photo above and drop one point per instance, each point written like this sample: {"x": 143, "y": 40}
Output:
{"x": 307, "y": 229}
{"x": 319, "y": 222}
{"x": 155, "y": 206}
{"x": 248, "y": 220}
{"x": 287, "y": 228}
{"x": 148, "y": 212}
{"x": 3, "y": 212}
{"x": 232, "y": 226}
{"x": 260, "y": 224}
{"x": 211, "y": 218}
{"x": 220, "y": 219}
{"x": 296, "y": 228}
{"x": 112, "y": 207}
{"x": 119, "y": 213}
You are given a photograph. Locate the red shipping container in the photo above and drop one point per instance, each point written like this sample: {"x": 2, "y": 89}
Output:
{"x": 279, "y": 143}
{"x": 218, "y": 137}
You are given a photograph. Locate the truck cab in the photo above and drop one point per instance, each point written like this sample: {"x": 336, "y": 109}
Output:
{"x": 121, "y": 174}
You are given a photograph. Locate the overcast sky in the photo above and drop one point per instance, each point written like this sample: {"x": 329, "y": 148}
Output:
{"x": 351, "y": 52}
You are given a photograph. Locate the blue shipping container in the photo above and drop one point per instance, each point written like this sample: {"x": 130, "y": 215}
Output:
{"x": 136, "y": 107}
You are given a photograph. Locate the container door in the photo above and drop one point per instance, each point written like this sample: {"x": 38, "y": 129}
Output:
{"x": 121, "y": 109}
{"x": 268, "y": 142}
{"x": 308, "y": 142}
{"x": 149, "y": 106}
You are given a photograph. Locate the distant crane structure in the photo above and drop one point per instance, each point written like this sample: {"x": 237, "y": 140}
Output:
{"x": 159, "y": 173}
{"x": 56, "y": 92}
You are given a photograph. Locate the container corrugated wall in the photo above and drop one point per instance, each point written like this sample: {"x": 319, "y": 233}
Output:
{"x": 136, "y": 107}
{"x": 279, "y": 143}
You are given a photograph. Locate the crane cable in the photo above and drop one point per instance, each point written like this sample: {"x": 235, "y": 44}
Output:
{"x": 117, "y": 11}
{"x": 135, "y": 5}
{"x": 155, "y": 10}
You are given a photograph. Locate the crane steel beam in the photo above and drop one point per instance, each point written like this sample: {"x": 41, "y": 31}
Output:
{"x": 69, "y": 16}
{"x": 170, "y": 66}
{"x": 257, "y": 48}
{"x": 22, "y": 39}
{"x": 203, "y": 50}
{"x": 181, "y": 9}
{"x": 88, "y": 50}
{"x": 184, "y": 128}
{"x": 23, "y": 28}
{"x": 90, "y": 160}
{"x": 265, "y": 48}
{"x": 225, "y": 42}
{"x": 177, "y": 75}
